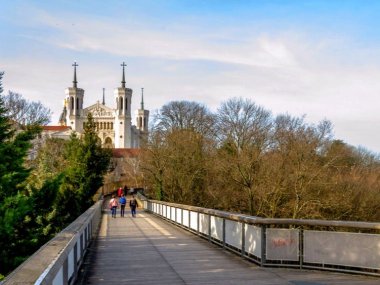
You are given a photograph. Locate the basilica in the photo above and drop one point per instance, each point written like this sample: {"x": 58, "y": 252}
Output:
{"x": 114, "y": 125}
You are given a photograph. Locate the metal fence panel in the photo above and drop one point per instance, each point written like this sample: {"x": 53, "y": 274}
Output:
{"x": 217, "y": 228}
{"x": 185, "y": 218}
{"x": 234, "y": 233}
{"x": 203, "y": 223}
{"x": 155, "y": 208}
{"x": 58, "y": 279}
{"x": 71, "y": 263}
{"x": 282, "y": 244}
{"x": 347, "y": 249}
{"x": 164, "y": 212}
{"x": 179, "y": 215}
{"x": 194, "y": 220}
{"x": 172, "y": 213}
{"x": 253, "y": 240}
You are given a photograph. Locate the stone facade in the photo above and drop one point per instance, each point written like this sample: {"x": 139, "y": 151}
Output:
{"x": 114, "y": 125}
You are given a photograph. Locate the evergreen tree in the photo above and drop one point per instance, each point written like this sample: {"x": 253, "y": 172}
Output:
{"x": 88, "y": 162}
{"x": 15, "y": 206}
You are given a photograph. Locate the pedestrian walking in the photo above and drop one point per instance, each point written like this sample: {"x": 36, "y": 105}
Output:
{"x": 113, "y": 204}
{"x": 123, "y": 202}
{"x": 119, "y": 191}
{"x": 133, "y": 206}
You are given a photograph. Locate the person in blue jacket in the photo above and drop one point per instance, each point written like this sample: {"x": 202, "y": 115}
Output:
{"x": 123, "y": 202}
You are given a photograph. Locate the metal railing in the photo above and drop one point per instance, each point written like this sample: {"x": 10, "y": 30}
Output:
{"x": 59, "y": 260}
{"x": 281, "y": 242}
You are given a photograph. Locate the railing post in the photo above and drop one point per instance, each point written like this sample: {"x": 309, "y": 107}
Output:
{"x": 189, "y": 219}
{"x": 65, "y": 271}
{"x": 242, "y": 239}
{"x": 209, "y": 227}
{"x": 198, "y": 222}
{"x": 263, "y": 244}
{"x": 81, "y": 246}
{"x": 301, "y": 249}
{"x": 75, "y": 257}
{"x": 224, "y": 232}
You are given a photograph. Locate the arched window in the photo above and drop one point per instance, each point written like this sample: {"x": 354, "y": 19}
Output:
{"x": 72, "y": 103}
{"x": 140, "y": 122}
{"x": 111, "y": 126}
{"x": 108, "y": 142}
{"x": 121, "y": 103}
{"x": 77, "y": 103}
{"x": 126, "y": 104}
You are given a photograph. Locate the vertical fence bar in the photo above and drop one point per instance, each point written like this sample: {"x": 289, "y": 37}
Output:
{"x": 301, "y": 249}
{"x": 224, "y": 232}
{"x": 242, "y": 239}
{"x": 198, "y": 222}
{"x": 75, "y": 257}
{"x": 209, "y": 228}
{"x": 65, "y": 271}
{"x": 263, "y": 244}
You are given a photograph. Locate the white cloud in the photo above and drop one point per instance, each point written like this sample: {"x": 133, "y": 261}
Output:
{"x": 288, "y": 72}
{"x": 79, "y": 33}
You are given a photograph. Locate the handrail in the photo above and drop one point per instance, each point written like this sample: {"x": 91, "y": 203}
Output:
{"x": 58, "y": 261}
{"x": 274, "y": 221}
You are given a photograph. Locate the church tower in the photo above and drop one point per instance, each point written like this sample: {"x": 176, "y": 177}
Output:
{"x": 142, "y": 115}
{"x": 123, "y": 97}
{"x": 74, "y": 105}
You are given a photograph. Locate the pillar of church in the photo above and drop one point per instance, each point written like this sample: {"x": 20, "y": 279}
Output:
{"x": 142, "y": 115}
{"x": 123, "y": 98}
{"x": 74, "y": 104}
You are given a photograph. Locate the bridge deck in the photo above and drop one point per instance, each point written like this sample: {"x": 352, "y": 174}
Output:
{"x": 149, "y": 250}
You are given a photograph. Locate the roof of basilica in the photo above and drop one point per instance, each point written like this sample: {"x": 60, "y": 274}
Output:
{"x": 125, "y": 152}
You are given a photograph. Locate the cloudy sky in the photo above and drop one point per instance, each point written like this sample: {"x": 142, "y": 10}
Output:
{"x": 302, "y": 57}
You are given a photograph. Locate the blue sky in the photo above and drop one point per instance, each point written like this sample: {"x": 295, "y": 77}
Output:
{"x": 315, "y": 58}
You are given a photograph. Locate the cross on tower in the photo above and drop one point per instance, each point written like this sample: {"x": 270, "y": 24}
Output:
{"x": 75, "y": 74}
{"x": 123, "y": 78}
{"x": 142, "y": 98}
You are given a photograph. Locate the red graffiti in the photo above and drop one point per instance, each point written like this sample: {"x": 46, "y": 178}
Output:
{"x": 278, "y": 242}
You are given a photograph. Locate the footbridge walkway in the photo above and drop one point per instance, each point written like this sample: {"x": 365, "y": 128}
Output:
{"x": 176, "y": 244}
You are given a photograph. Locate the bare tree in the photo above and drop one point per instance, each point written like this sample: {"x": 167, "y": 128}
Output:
{"x": 244, "y": 136}
{"x": 175, "y": 157}
{"x": 299, "y": 175}
{"x": 26, "y": 112}
{"x": 185, "y": 115}
{"x": 243, "y": 123}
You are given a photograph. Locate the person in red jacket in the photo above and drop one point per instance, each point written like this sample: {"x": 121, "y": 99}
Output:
{"x": 119, "y": 192}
